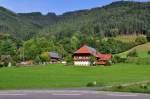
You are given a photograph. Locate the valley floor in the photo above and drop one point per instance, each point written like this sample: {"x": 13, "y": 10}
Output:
{"x": 61, "y": 76}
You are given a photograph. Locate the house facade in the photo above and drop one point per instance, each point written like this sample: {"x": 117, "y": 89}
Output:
{"x": 82, "y": 56}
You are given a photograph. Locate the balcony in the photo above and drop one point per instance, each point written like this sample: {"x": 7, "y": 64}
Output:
{"x": 83, "y": 58}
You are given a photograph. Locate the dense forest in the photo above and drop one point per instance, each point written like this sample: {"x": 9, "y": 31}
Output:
{"x": 69, "y": 31}
{"x": 122, "y": 17}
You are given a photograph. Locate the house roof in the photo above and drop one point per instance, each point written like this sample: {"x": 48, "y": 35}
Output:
{"x": 86, "y": 50}
{"x": 54, "y": 55}
{"x": 104, "y": 56}
{"x": 89, "y": 50}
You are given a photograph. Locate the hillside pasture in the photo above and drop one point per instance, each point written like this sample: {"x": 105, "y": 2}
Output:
{"x": 127, "y": 38}
{"x": 142, "y": 51}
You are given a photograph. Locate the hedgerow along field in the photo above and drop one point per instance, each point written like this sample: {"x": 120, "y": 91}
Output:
{"x": 139, "y": 87}
{"x": 61, "y": 76}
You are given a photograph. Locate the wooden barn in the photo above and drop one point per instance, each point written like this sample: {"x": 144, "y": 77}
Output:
{"x": 54, "y": 57}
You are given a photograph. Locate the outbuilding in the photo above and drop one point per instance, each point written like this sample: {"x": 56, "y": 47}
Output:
{"x": 54, "y": 57}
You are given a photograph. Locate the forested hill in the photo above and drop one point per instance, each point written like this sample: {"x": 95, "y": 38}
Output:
{"x": 122, "y": 17}
{"x": 37, "y": 18}
{"x": 11, "y": 23}
{"x": 24, "y": 25}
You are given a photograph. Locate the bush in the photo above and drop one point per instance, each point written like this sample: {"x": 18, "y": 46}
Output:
{"x": 119, "y": 87}
{"x": 13, "y": 63}
{"x": 109, "y": 63}
{"x": 141, "y": 40}
{"x": 91, "y": 84}
{"x": 148, "y": 35}
{"x": 45, "y": 57}
{"x": 149, "y": 52}
{"x": 137, "y": 60}
{"x": 144, "y": 86}
{"x": 37, "y": 59}
{"x": 118, "y": 59}
{"x": 133, "y": 53}
{"x": 69, "y": 59}
{"x": 5, "y": 60}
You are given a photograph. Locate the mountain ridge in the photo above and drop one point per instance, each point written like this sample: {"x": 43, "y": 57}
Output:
{"x": 100, "y": 20}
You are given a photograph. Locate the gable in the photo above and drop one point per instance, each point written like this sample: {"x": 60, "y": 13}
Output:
{"x": 86, "y": 50}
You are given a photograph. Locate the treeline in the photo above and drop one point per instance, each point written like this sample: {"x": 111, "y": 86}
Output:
{"x": 16, "y": 51}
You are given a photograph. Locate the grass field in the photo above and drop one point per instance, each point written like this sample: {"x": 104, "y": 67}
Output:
{"x": 60, "y": 76}
{"x": 142, "y": 51}
{"x": 127, "y": 38}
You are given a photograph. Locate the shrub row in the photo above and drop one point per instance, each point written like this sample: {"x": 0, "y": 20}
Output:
{"x": 138, "y": 60}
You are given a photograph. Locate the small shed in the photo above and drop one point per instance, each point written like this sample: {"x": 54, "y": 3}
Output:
{"x": 54, "y": 56}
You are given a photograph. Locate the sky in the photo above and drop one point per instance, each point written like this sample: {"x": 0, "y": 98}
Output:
{"x": 57, "y": 6}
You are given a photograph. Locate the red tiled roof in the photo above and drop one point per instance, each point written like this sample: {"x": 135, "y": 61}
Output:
{"x": 86, "y": 50}
{"x": 104, "y": 56}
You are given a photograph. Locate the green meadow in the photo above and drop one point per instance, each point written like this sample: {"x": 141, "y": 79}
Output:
{"x": 142, "y": 51}
{"x": 127, "y": 38}
{"x": 61, "y": 76}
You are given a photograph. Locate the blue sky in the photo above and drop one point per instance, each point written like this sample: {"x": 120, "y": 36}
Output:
{"x": 57, "y": 6}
